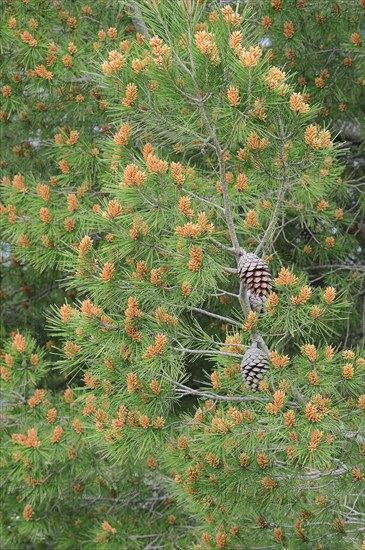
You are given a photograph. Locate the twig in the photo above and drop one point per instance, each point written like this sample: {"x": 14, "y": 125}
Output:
{"x": 216, "y": 316}
{"x": 185, "y": 390}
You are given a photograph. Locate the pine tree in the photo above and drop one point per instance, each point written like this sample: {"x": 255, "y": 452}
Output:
{"x": 206, "y": 362}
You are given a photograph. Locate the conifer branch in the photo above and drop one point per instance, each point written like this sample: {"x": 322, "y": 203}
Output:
{"x": 183, "y": 349}
{"x": 218, "y": 151}
{"x": 203, "y": 199}
{"x": 138, "y": 20}
{"x": 183, "y": 391}
{"x": 280, "y": 198}
{"x": 216, "y": 316}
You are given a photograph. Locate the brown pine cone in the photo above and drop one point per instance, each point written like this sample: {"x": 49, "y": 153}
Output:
{"x": 255, "y": 273}
{"x": 254, "y": 365}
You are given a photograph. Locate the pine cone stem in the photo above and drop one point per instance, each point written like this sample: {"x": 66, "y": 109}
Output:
{"x": 243, "y": 299}
{"x": 261, "y": 343}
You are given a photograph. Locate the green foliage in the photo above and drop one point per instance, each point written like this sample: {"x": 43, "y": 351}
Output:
{"x": 323, "y": 44}
{"x": 140, "y": 172}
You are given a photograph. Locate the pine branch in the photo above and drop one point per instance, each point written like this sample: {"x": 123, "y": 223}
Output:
{"x": 211, "y": 203}
{"x": 183, "y": 391}
{"x": 280, "y": 198}
{"x": 218, "y": 150}
{"x": 216, "y": 316}
{"x": 138, "y": 20}
{"x": 182, "y": 349}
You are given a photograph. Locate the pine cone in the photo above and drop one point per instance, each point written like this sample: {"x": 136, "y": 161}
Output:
{"x": 255, "y": 274}
{"x": 256, "y": 303}
{"x": 306, "y": 234}
{"x": 254, "y": 365}
{"x": 310, "y": 231}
